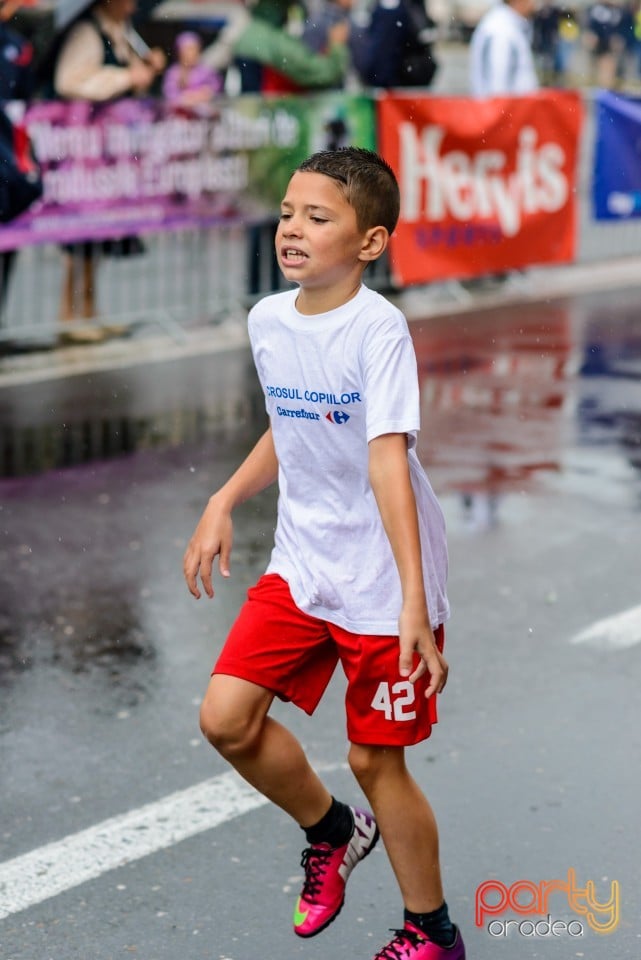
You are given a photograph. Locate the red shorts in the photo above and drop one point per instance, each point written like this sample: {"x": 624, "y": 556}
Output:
{"x": 276, "y": 646}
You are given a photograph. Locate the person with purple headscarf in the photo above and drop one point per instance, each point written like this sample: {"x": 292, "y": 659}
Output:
{"x": 189, "y": 82}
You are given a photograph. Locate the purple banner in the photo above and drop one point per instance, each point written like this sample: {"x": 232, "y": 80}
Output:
{"x": 139, "y": 166}
{"x": 131, "y": 166}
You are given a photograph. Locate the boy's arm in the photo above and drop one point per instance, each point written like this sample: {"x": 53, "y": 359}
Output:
{"x": 390, "y": 479}
{"x": 214, "y": 534}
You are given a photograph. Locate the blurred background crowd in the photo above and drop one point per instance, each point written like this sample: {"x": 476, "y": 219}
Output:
{"x": 188, "y": 53}
{"x": 193, "y": 50}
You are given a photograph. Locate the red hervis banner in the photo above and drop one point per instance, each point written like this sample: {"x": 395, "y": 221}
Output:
{"x": 486, "y": 185}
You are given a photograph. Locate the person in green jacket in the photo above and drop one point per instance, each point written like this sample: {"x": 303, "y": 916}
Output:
{"x": 256, "y": 35}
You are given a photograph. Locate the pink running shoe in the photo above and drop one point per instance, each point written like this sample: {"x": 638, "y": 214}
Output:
{"x": 411, "y": 944}
{"x": 326, "y": 872}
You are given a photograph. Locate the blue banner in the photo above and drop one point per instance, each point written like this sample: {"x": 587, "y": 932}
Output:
{"x": 616, "y": 185}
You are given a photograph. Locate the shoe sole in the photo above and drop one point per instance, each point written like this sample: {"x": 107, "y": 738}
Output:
{"x": 307, "y": 936}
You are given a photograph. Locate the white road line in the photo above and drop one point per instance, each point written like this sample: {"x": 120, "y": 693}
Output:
{"x": 618, "y": 632}
{"x": 50, "y": 870}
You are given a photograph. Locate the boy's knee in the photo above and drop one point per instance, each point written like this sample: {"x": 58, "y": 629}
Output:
{"x": 368, "y": 763}
{"x": 230, "y": 731}
{"x": 232, "y": 715}
{"x": 364, "y": 762}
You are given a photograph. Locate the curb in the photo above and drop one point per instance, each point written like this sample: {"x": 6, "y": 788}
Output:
{"x": 537, "y": 285}
{"x": 418, "y": 303}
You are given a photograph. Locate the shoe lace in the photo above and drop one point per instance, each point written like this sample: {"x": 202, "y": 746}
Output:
{"x": 400, "y": 947}
{"x": 314, "y": 861}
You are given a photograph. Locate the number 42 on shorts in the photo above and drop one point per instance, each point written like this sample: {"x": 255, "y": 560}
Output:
{"x": 395, "y": 700}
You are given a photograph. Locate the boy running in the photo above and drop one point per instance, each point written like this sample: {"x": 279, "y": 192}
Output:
{"x": 359, "y": 563}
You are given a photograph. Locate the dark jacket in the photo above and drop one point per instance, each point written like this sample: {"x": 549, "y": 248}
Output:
{"x": 16, "y": 63}
{"x": 397, "y": 47}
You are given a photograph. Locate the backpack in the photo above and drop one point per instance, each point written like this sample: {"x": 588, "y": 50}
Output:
{"x": 419, "y": 65}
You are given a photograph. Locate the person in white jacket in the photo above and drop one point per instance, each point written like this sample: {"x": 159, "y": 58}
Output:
{"x": 501, "y": 60}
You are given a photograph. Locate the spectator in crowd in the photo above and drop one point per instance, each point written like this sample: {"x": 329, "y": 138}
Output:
{"x": 502, "y": 63}
{"x": 16, "y": 57}
{"x": 397, "y": 47}
{"x": 317, "y": 26}
{"x": 285, "y": 16}
{"x": 319, "y": 22}
{"x": 501, "y": 59}
{"x": 189, "y": 82}
{"x": 327, "y": 15}
{"x": 99, "y": 58}
{"x": 272, "y": 59}
{"x": 545, "y": 40}
{"x": 253, "y": 37}
{"x": 637, "y": 36}
{"x": 628, "y": 48}
{"x": 567, "y": 42}
{"x": 555, "y": 36}
{"x": 16, "y": 83}
{"x": 607, "y": 37}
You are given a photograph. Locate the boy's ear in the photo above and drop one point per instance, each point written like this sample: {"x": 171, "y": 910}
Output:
{"x": 374, "y": 243}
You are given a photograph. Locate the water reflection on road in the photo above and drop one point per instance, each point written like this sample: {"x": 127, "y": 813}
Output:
{"x": 510, "y": 395}
{"x": 515, "y": 397}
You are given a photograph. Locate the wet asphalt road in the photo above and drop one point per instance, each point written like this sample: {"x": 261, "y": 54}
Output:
{"x": 532, "y": 436}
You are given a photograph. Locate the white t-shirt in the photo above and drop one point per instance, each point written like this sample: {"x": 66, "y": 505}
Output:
{"x": 501, "y": 60}
{"x": 332, "y": 383}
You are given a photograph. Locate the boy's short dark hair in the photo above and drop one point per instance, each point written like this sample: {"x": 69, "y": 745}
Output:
{"x": 368, "y": 182}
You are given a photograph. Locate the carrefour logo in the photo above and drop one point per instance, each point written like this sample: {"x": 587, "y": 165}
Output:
{"x": 337, "y": 416}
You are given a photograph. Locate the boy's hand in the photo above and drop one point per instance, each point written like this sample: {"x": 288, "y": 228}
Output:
{"x": 416, "y": 636}
{"x": 212, "y": 537}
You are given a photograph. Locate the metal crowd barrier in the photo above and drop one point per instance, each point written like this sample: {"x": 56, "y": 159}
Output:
{"x": 181, "y": 279}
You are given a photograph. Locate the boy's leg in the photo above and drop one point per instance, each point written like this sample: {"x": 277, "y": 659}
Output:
{"x": 234, "y": 718}
{"x": 406, "y": 822}
{"x": 274, "y": 646}
{"x": 408, "y": 827}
